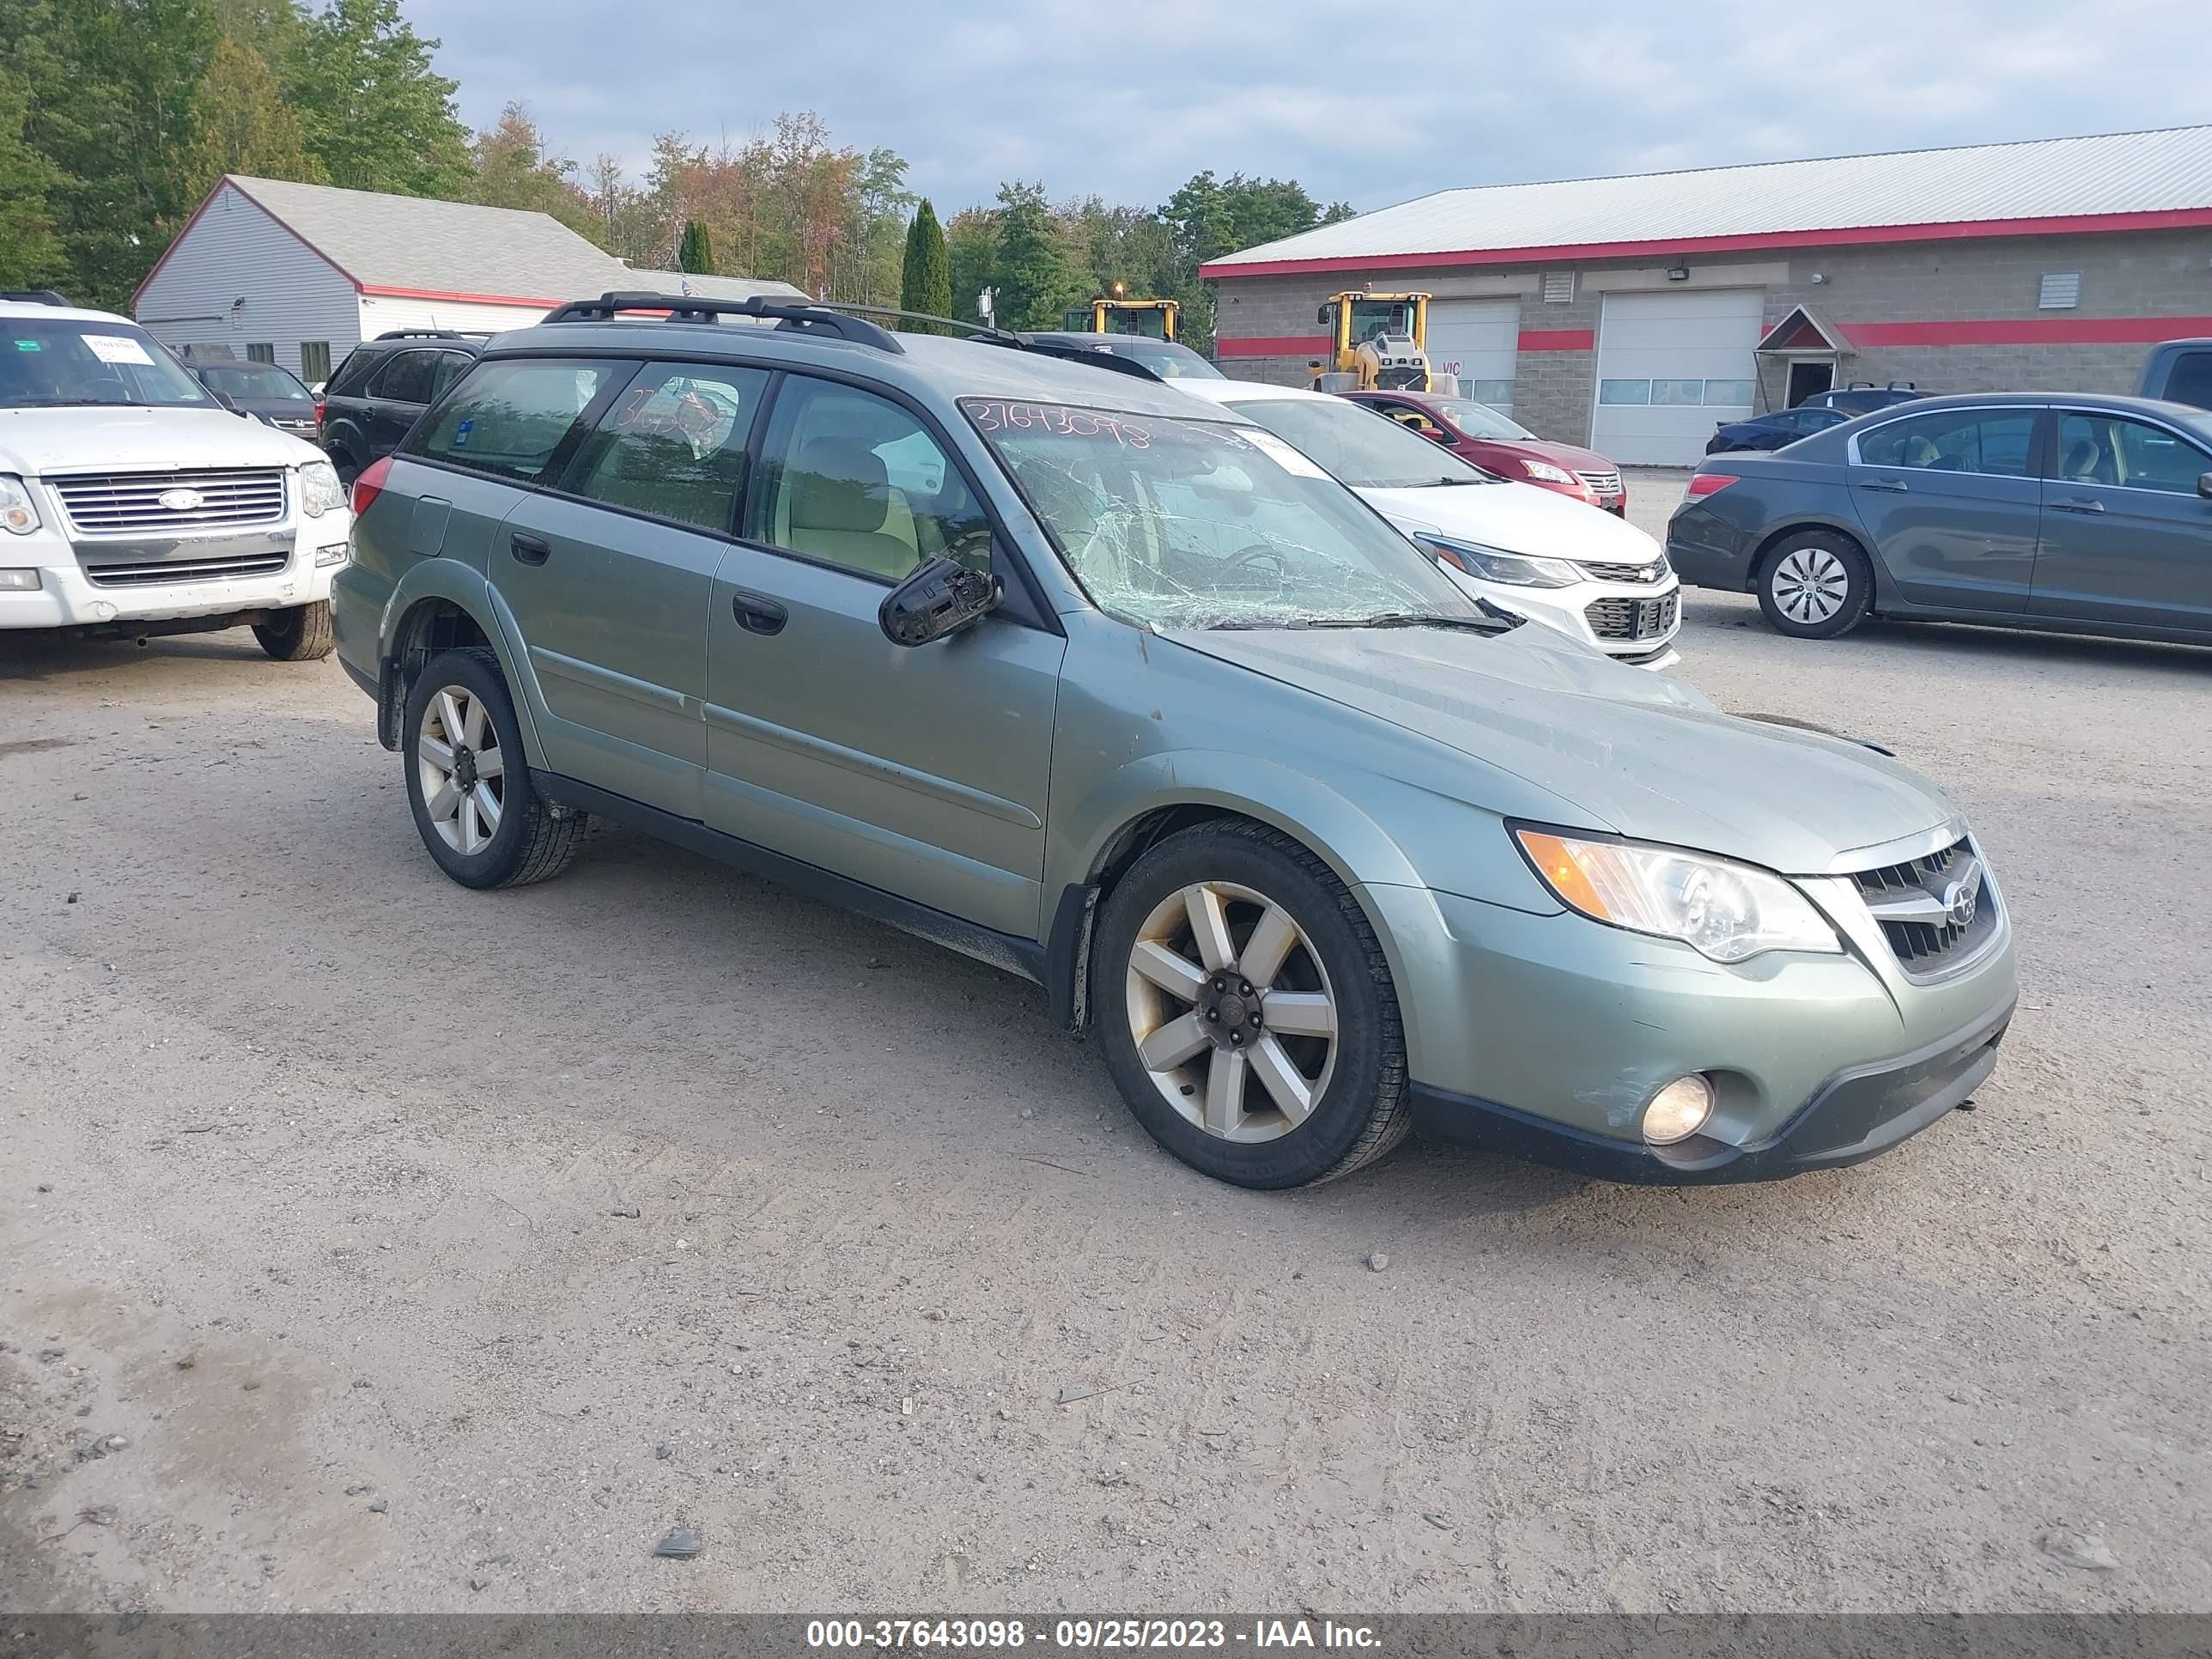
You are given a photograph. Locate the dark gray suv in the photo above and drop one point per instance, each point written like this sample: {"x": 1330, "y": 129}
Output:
{"x": 2088, "y": 514}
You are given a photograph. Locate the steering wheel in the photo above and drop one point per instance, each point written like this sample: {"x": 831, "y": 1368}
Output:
{"x": 1256, "y": 553}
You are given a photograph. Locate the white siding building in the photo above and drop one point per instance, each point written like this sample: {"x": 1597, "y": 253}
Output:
{"x": 299, "y": 274}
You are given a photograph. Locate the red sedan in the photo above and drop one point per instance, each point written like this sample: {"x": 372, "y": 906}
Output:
{"x": 1475, "y": 432}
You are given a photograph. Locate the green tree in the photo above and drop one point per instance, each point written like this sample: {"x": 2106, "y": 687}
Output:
{"x": 30, "y": 254}
{"x": 925, "y": 280}
{"x": 697, "y": 252}
{"x": 377, "y": 114}
{"x": 1035, "y": 282}
{"x": 971, "y": 252}
{"x": 515, "y": 169}
{"x": 246, "y": 127}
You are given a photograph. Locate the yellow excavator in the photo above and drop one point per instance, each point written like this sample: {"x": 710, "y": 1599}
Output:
{"x": 1379, "y": 343}
{"x": 1152, "y": 320}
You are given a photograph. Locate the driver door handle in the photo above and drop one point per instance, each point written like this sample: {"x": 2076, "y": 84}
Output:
{"x": 1894, "y": 486}
{"x": 2079, "y": 504}
{"x": 529, "y": 550}
{"x": 757, "y": 613}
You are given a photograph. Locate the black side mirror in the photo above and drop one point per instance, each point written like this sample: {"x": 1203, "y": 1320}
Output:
{"x": 223, "y": 398}
{"x": 2205, "y": 485}
{"x": 938, "y": 600}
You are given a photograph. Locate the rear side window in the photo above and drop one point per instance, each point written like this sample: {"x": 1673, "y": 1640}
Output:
{"x": 2192, "y": 380}
{"x": 406, "y": 379}
{"x": 1989, "y": 443}
{"x": 509, "y": 418}
{"x": 673, "y": 444}
{"x": 451, "y": 365}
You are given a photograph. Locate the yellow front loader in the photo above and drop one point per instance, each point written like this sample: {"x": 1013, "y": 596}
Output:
{"x": 1379, "y": 343}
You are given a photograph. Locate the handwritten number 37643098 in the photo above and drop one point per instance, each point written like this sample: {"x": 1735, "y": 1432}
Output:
{"x": 1058, "y": 421}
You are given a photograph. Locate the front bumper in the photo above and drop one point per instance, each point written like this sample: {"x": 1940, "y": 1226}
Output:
{"x": 1569, "y": 609}
{"x": 1546, "y": 1035}
{"x": 66, "y": 598}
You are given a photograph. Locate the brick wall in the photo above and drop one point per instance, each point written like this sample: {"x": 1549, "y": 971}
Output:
{"x": 2146, "y": 274}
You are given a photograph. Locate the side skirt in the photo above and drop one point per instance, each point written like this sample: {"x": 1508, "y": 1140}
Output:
{"x": 1015, "y": 955}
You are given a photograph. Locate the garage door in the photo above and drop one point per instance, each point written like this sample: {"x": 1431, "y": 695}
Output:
{"x": 1479, "y": 341}
{"x": 1669, "y": 368}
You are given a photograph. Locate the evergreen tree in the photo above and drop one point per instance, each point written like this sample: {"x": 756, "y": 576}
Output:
{"x": 246, "y": 127}
{"x": 697, "y": 252}
{"x": 925, "y": 281}
{"x": 1035, "y": 283}
{"x": 377, "y": 115}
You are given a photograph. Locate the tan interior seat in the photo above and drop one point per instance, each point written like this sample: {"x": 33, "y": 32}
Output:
{"x": 843, "y": 508}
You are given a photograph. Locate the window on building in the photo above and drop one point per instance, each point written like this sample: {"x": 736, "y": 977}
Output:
{"x": 1678, "y": 394}
{"x": 314, "y": 361}
{"x": 263, "y": 352}
{"x": 1954, "y": 441}
{"x": 1498, "y": 394}
{"x": 2060, "y": 290}
{"x": 1624, "y": 391}
{"x": 673, "y": 444}
{"x": 1727, "y": 394}
{"x": 509, "y": 418}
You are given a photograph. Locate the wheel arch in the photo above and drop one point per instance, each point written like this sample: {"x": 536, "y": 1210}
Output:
{"x": 438, "y": 605}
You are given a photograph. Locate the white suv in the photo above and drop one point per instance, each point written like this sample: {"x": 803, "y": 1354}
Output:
{"x": 133, "y": 502}
{"x": 1587, "y": 573}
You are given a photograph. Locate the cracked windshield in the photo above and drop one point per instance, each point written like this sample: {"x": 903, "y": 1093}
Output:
{"x": 1189, "y": 523}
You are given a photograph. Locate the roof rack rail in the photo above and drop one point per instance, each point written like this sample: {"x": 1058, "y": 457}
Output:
{"x": 804, "y": 317}
{"x": 36, "y": 296}
{"x": 1090, "y": 357}
{"x": 432, "y": 334}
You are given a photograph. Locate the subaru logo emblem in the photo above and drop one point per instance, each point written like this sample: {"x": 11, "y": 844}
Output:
{"x": 1961, "y": 898}
{"x": 182, "y": 501}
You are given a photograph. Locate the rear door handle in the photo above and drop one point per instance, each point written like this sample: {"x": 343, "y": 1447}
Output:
{"x": 1894, "y": 486}
{"x": 757, "y": 613}
{"x": 2079, "y": 504}
{"x": 531, "y": 550}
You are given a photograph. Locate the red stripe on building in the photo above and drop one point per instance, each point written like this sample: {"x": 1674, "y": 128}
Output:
{"x": 2068, "y": 225}
{"x": 1273, "y": 346}
{"x": 460, "y": 299}
{"x": 1559, "y": 339}
{"x": 2028, "y": 330}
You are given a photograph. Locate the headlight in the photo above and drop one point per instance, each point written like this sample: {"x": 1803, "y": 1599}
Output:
{"x": 1547, "y": 472}
{"x": 18, "y": 515}
{"x": 319, "y": 490}
{"x": 1725, "y": 910}
{"x": 1495, "y": 565}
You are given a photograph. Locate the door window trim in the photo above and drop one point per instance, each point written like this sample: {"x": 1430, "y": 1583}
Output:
{"x": 564, "y": 487}
{"x": 2038, "y": 461}
{"x": 392, "y": 363}
{"x": 2060, "y": 411}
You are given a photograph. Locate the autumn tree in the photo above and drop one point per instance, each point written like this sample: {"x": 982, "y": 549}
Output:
{"x": 514, "y": 168}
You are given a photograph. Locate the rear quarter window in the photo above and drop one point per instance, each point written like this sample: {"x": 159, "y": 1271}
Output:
{"x": 510, "y": 417}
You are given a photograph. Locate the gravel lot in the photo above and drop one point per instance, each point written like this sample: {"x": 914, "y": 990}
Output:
{"x": 370, "y": 1244}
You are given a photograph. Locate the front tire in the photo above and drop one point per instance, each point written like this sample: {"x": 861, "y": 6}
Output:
{"x": 468, "y": 780}
{"x": 1247, "y": 1010}
{"x": 299, "y": 633}
{"x": 1815, "y": 585}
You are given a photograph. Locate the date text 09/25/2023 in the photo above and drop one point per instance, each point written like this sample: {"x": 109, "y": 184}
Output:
{"x": 1085, "y": 1635}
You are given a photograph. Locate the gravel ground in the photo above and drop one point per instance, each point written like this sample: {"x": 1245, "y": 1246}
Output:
{"x": 366, "y": 1244}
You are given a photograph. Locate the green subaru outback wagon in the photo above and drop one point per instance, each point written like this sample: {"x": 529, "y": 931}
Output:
{"x": 1049, "y": 662}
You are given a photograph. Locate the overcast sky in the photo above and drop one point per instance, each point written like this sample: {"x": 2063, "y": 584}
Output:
{"x": 1364, "y": 102}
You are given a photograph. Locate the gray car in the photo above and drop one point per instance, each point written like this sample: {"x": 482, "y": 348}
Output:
{"x": 1046, "y": 661}
{"x": 2089, "y": 514}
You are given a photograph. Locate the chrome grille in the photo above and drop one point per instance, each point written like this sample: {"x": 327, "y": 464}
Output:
{"x": 168, "y": 571}
{"x": 1601, "y": 483}
{"x": 1655, "y": 571}
{"x": 1933, "y": 910}
{"x": 129, "y": 503}
{"x": 1632, "y": 619}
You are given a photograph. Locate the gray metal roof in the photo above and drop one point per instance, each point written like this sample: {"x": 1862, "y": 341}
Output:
{"x": 2123, "y": 172}
{"x": 445, "y": 248}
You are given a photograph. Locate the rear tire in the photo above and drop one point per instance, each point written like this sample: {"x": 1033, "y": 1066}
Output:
{"x": 1232, "y": 934}
{"x": 468, "y": 780}
{"x": 301, "y": 633}
{"x": 1815, "y": 585}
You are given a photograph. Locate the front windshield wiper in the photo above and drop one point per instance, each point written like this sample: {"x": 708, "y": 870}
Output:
{"x": 1493, "y": 620}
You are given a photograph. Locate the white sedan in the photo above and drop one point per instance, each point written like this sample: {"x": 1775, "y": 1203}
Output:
{"x": 1535, "y": 552}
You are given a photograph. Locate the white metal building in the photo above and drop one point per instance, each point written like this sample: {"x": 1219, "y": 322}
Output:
{"x": 300, "y": 274}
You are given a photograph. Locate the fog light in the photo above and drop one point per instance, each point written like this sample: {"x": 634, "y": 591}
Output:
{"x": 1678, "y": 1110}
{"x": 335, "y": 554}
{"x": 19, "y": 581}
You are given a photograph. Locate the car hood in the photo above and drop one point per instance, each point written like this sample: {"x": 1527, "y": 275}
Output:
{"x": 1573, "y": 457}
{"x": 1635, "y": 753}
{"x": 130, "y": 438}
{"x": 1518, "y": 518}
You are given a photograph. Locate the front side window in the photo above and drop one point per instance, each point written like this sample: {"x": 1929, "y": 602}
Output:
{"x": 1986, "y": 441}
{"x": 1349, "y": 443}
{"x": 509, "y": 417}
{"x": 68, "y": 362}
{"x": 851, "y": 479}
{"x": 1185, "y": 522}
{"x": 673, "y": 444}
{"x": 2100, "y": 449}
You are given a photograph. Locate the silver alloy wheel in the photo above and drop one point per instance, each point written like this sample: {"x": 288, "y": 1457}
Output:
{"x": 462, "y": 769}
{"x": 1225, "y": 991}
{"x": 1809, "y": 584}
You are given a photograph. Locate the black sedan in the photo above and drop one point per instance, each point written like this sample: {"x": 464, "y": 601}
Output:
{"x": 1784, "y": 426}
{"x": 2080, "y": 513}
